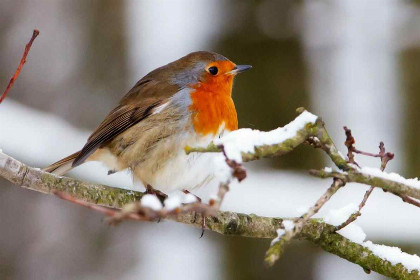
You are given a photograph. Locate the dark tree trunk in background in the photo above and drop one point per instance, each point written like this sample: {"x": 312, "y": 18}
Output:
{"x": 410, "y": 59}
{"x": 410, "y": 83}
{"x": 268, "y": 95}
{"x": 105, "y": 66}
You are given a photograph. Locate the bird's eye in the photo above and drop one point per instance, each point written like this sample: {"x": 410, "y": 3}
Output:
{"x": 213, "y": 70}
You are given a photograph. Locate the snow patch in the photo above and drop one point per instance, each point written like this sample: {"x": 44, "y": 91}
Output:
{"x": 172, "y": 202}
{"x": 414, "y": 182}
{"x": 245, "y": 140}
{"x": 394, "y": 255}
{"x": 280, "y": 233}
{"x": 336, "y": 217}
{"x": 353, "y": 232}
{"x": 222, "y": 171}
{"x": 288, "y": 226}
{"x": 189, "y": 198}
{"x": 328, "y": 169}
{"x": 151, "y": 201}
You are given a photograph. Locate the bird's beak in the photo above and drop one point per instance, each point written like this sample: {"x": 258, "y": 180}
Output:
{"x": 239, "y": 69}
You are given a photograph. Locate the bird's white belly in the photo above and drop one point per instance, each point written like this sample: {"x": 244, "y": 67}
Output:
{"x": 178, "y": 171}
{"x": 168, "y": 167}
{"x": 183, "y": 172}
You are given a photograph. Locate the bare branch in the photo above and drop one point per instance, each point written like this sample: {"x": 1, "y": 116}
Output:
{"x": 385, "y": 157}
{"x": 22, "y": 61}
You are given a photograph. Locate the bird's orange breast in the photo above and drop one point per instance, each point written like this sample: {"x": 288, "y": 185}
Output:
{"x": 212, "y": 105}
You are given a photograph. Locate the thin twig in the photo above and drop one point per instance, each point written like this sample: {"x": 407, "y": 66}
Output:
{"x": 385, "y": 158}
{"x": 135, "y": 211}
{"x": 101, "y": 209}
{"x": 350, "y": 145}
{"x": 276, "y": 249}
{"x": 409, "y": 200}
{"x": 22, "y": 61}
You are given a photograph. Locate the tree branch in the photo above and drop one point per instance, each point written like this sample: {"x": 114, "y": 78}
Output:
{"x": 223, "y": 222}
{"x": 358, "y": 176}
{"x": 22, "y": 61}
{"x": 37, "y": 180}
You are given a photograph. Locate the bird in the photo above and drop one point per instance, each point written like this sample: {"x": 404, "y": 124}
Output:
{"x": 187, "y": 102}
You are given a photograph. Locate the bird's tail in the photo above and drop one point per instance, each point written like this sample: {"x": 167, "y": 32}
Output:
{"x": 63, "y": 166}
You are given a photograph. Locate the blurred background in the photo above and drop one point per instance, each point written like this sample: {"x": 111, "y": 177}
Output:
{"x": 355, "y": 63}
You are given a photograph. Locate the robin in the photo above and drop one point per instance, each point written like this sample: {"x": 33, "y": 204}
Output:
{"x": 185, "y": 103}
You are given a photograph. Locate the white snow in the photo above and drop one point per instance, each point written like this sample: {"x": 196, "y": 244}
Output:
{"x": 189, "y": 198}
{"x": 353, "y": 232}
{"x": 336, "y": 217}
{"x": 151, "y": 201}
{"x": 394, "y": 255}
{"x": 328, "y": 169}
{"x": 280, "y": 233}
{"x": 173, "y": 202}
{"x": 288, "y": 225}
{"x": 222, "y": 171}
{"x": 414, "y": 182}
{"x": 245, "y": 140}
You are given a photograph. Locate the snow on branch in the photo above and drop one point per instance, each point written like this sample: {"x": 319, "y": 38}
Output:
{"x": 368, "y": 255}
{"x": 248, "y": 144}
{"x": 391, "y": 182}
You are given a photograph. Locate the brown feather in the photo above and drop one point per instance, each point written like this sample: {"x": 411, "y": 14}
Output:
{"x": 54, "y": 168}
{"x": 114, "y": 124}
{"x": 136, "y": 105}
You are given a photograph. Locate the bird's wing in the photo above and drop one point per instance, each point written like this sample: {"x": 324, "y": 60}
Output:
{"x": 137, "y": 105}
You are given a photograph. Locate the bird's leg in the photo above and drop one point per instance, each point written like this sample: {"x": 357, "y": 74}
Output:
{"x": 203, "y": 215}
{"x": 195, "y": 213}
{"x": 160, "y": 195}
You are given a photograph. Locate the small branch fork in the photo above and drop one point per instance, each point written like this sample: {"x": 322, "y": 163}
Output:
{"x": 321, "y": 140}
{"x": 385, "y": 158}
{"x": 22, "y": 61}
